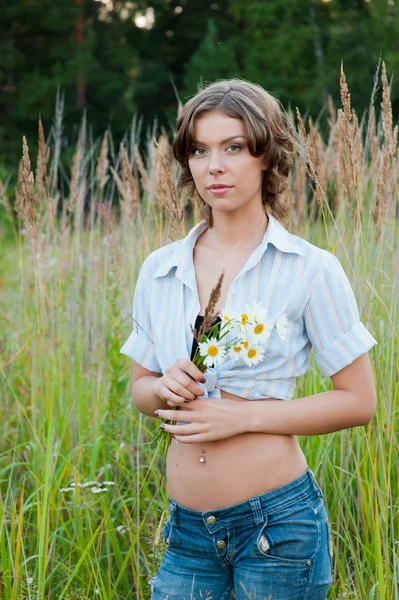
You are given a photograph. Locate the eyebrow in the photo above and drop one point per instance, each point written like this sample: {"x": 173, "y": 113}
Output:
{"x": 232, "y": 137}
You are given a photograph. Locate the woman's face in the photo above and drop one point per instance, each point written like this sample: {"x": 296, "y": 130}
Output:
{"x": 216, "y": 160}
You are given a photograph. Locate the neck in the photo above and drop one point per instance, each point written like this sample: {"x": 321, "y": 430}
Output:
{"x": 233, "y": 234}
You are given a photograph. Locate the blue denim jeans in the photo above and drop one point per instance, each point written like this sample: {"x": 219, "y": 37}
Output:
{"x": 276, "y": 546}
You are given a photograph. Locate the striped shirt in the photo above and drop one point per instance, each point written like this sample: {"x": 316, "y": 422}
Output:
{"x": 284, "y": 274}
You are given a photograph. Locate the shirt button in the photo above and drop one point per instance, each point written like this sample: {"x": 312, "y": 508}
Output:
{"x": 211, "y": 520}
{"x": 221, "y": 544}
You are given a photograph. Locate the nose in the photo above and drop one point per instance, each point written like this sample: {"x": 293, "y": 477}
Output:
{"x": 216, "y": 164}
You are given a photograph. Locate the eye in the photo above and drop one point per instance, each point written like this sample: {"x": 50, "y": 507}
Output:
{"x": 231, "y": 146}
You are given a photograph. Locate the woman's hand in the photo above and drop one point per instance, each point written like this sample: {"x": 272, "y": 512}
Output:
{"x": 210, "y": 419}
{"x": 179, "y": 384}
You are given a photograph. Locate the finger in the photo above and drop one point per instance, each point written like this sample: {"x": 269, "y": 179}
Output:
{"x": 167, "y": 415}
{"x": 180, "y": 386}
{"x": 191, "y": 369}
{"x": 167, "y": 395}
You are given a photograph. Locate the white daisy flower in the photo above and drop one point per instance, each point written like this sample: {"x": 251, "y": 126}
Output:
{"x": 252, "y": 355}
{"x": 214, "y": 351}
{"x": 260, "y": 330}
{"x": 282, "y": 327}
{"x": 236, "y": 350}
{"x": 229, "y": 318}
{"x": 257, "y": 313}
{"x": 244, "y": 319}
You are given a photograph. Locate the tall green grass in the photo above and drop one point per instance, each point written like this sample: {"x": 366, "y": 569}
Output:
{"x": 83, "y": 500}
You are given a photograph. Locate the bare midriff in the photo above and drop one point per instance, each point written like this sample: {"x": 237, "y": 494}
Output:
{"x": 235, "y": 469}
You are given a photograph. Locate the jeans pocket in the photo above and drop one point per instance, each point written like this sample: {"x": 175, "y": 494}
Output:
{"x": 171, "y": 534}
{"x": 291, "y": 536}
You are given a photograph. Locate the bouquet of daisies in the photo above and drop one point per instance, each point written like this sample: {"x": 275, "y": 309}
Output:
{"x": 250, "y": 329}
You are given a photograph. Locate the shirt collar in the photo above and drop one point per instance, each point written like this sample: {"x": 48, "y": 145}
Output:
{"x": 275, "y": 234}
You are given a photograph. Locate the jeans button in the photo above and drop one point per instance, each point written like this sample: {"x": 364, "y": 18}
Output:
{"x": 211, "y": 520}
{"x": 221, "y": 544}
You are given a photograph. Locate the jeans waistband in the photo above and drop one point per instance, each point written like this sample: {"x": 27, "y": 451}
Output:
{"x": 297, "y": 489}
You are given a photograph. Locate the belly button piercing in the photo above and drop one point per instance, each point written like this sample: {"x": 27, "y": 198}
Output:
{"x": 202, "y": 459}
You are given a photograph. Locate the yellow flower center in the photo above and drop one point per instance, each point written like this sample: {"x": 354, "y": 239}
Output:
{"x": 252, "y": 353}
{"x": 226, "y": 318}
{"x": 245, "y": 344}
{"x": 259, "y": 328}
{"x": 244, "y": 319}
{"x": 237, "y": 349}
{"x": 213, "y": 350}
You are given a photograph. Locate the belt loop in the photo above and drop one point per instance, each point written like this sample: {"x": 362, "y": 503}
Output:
{"x": 257, "y": 510}
{"x": 318, "y": 488}
{"x": 173, "y": 512}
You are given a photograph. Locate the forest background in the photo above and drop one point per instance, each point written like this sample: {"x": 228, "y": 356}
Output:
{"x": 95, "y": 87}
{"x": 117, "y": 58}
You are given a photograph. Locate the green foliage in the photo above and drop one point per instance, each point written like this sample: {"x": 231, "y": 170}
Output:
{"x": 104, "y": 62}
{"x": 214, "y": 59}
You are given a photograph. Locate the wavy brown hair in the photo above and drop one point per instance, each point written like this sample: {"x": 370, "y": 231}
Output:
{"x": 263, "y": 117}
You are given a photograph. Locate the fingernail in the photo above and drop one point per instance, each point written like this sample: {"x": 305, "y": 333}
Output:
{"x": 173, "y": 435}
{"x": 156, "y": 412}
{"x": 203, "y": 380}
{"x": 162, "y": 426}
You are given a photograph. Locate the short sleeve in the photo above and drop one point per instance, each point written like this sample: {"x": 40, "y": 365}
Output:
{"x": 332, "y": 321}
{"x": 139, "y": 346}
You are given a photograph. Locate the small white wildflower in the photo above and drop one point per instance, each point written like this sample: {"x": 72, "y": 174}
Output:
{"x": 29, "y": 580}
{"x": 121, "y": 529}
{"x": 96, "y": 591}
{"x": 108, "y": 483}
{"x": 67, "y": 489}
{"x": 97, "y": 490}
{"x": 88, "y": 484}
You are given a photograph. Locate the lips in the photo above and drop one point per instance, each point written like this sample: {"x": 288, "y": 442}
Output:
{"x": 218, "y": 186}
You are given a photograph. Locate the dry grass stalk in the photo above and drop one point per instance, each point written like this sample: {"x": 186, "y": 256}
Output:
{"x": 43, "y": 156}
{"x": 316, "y": 150}
{"x": 345, "y": 117}
{"x": 345, "y": 172}
{"x": 124, "y": 192}
{"x": 333, "y": 113}
{"x": 31, "y": 221}
{"x": 345, "y": 95}
{"x": 19, "y": 195}
{"x": 73, "y": 188}
{"x": 129, "y": 180}
{"x": 387, "y": 113}
{"x": 143, "y": 171}
{"x": 170, "y": 200}
{"x": 209, "y": 316}
{"x": 102, "y": 164}
{"x": 164, "y": 148}
{"x": 388, "y": 158}
{"x": 332, "y": 165}
{"x": 308, "y": 150}
{"x": 42, "y": 180}
{"x": 373, "y": 138}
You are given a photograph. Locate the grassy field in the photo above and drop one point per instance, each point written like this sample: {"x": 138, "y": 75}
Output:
{"x": 82, "y": 498}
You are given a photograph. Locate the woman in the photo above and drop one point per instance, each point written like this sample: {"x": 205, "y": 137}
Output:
{"x": 247, "y": 517}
